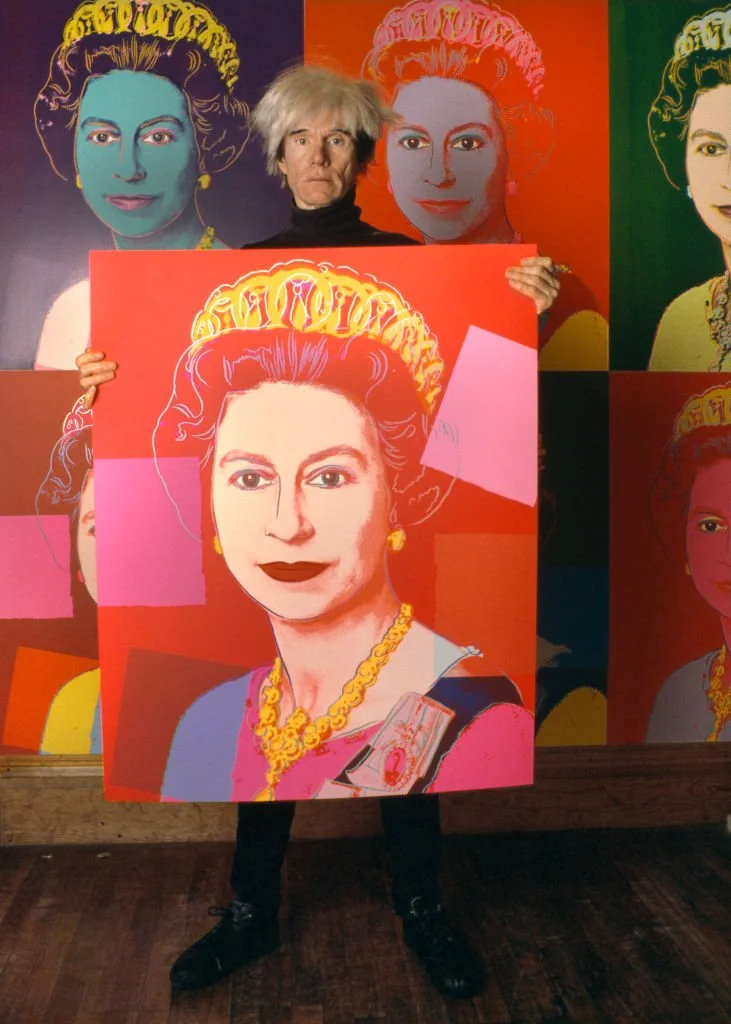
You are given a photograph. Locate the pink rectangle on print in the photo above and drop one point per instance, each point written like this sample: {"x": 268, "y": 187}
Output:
{"x": 486, "y": 429}
{"x": 35, "y": 574}
{"x": 148, "y": 533}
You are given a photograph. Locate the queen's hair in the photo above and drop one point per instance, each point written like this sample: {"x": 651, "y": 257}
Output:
{"x": 701, "y": 437}
{"x": 481, "y": 44}
{"x": 303, "y": 91}
{"x": 219, "y": 116}
{"x": 328, "y": 327}
{"x": 70, "y": 463}
{"x": 701, "y": 61}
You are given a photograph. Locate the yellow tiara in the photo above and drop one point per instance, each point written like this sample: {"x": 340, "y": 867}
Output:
{"x": 711, "y": 409}
{"x": 171, "y": 20}
{"x": 712, "y": 31}
{"x": 318, "y": 298}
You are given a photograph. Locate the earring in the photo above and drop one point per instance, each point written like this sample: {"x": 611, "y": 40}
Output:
{"x": 687, "y": 570}
{"x": 78, "y": 182}
{"x": 204, "y": 181}
{"x": 217, "y": 545}
{"x": 688, "y": 192}
{"x": 511, "y": 186}
{"x": 396, "y": 539}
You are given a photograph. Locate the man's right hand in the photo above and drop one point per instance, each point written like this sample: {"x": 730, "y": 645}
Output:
{"x": 94, "y": 370}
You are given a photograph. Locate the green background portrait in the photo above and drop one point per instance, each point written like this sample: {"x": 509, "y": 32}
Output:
{"x": 659, "y": 245}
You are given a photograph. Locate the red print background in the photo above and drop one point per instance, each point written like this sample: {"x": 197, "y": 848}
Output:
{"x": 658, "y": 622}
{"x": 143, "y": 306}
{"x": 564, "y": 206}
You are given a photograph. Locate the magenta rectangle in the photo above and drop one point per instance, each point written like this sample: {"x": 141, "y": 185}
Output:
{"x": 35, "y": 574}
{"x": 148, "y": 518}
{"x": 486, "y": 428}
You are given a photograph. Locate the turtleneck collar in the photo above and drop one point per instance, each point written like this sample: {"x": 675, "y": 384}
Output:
{"x": 338, "y": 218}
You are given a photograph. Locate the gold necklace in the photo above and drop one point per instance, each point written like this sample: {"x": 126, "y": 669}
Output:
{"x": 284, "y": 745}
{"x": 718, "y": 318}
{"x": 719, "y": 700}
{"x": 207, "y": 239}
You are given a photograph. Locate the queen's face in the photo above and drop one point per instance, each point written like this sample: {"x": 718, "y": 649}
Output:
{"x": 86, "y": 536}
{"x": 707, "y": 538}
{"x": 300, "y": 499}
{"x": 135, "y": 152}
{"x": 447, "y": 160}
{"x": 708, "y": 159}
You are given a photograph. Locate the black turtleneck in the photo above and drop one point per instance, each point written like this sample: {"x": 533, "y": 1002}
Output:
{"x": 336, "y": 225}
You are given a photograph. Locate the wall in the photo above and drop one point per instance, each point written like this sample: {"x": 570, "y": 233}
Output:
{"x": 633, "y": 606}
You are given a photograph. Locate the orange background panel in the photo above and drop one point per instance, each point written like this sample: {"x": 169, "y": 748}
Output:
{"x": 37, "y": 678}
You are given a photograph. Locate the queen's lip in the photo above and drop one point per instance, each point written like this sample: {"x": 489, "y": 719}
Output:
{"x": 292, "y": 572}
{"x": 725, "y": 210}
{"x": 443, "y": 206}
{"x": 130, "y": 202}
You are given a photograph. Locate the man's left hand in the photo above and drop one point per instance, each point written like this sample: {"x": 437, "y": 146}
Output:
{"x": 536, "y": 277}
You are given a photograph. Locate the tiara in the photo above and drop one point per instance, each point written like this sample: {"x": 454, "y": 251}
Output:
{"x": 711, "y": 409}
{"x": 318, "y": 298}
{"x": 171, "y": 20}
{"x": 460, "y": 22}
{"x": 710, "y": 32}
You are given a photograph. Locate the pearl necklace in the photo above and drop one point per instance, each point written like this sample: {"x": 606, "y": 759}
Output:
{"x": 284, "y": 745}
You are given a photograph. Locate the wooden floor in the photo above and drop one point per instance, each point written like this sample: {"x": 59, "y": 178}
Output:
{"x": 582, "y": 927}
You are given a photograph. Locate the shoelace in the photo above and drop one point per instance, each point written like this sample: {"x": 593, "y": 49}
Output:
{"x": 236, "y": 910}
{"x": 427, "y": 915}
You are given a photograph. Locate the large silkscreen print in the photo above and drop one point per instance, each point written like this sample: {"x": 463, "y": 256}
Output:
{"x": 671, "y": 74}
{"x": 670, "y": 567}
{"x": 130, "y": 129}
{"x": 502, "y": 135}
{"x": 316, "y": 523}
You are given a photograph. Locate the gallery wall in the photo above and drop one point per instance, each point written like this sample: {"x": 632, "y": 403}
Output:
{"x": 634, "y": 610}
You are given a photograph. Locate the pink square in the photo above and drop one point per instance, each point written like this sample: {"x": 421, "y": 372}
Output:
{"x": 486, "y": 428}
{"x": 149, "y": 552}
{"x": 35, "y": 574}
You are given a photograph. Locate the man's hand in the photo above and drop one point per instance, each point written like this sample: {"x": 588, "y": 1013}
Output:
{"x": 536, "y": 277}
{"x": 94, "y": 370}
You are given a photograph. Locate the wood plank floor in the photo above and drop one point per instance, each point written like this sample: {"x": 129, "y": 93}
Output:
{"x": 583, "y": 927}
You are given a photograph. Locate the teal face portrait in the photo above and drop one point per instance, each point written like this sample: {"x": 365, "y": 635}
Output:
{"x": 135, "y": 152}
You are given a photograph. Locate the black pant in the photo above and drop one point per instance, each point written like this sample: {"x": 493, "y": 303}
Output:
{"x": 413, "y": 840}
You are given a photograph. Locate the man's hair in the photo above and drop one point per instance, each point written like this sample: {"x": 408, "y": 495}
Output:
{"x": 301, "y": 92}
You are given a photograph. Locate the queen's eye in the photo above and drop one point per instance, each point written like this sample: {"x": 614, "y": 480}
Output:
{"x": 712, "y": 524}
{"x": 329, "y": 479}
{"x": 413, "y": 142}
{"x": 467, "y": 143}
{"x": 249, "y": 480}
{"x": 159, "y": 137}
{"x": 102, "y": 137}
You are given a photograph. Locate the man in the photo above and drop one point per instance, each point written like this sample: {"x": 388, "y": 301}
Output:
{"x": 320, "y": 132}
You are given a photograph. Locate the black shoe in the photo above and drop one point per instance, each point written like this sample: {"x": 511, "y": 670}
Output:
{"x": 243, "y": 934}
{"x": 454, "y": 968}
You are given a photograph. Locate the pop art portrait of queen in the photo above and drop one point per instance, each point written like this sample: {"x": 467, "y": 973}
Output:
{"x": 465, "y": 163}
{"x": 304, "y": 405}
{"x": 693, "y": 496}
{"x": 690, "y": 130}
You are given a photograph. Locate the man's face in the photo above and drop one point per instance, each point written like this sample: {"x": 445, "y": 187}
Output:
{"x": 319, "y": 160}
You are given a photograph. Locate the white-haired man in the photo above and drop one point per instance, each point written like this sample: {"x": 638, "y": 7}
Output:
{"x": 320, "y": 132}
